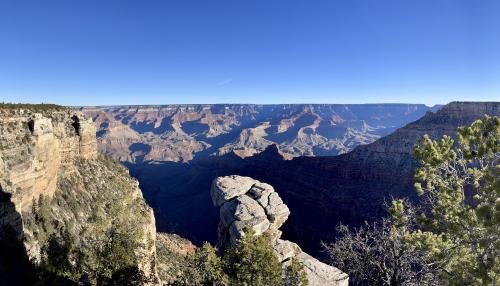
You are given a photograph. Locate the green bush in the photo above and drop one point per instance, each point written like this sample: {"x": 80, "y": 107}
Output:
{"x": 251, "y": 263}
{"x": 89, "y": 231}
{"x": 33, "y": 107}
{"x": 459, "y": 186}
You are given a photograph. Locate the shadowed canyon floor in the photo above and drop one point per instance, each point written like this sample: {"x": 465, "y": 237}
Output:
{"x": 320, "y": 191}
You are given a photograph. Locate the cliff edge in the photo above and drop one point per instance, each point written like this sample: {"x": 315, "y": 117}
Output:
{"x": 75, "y": 215}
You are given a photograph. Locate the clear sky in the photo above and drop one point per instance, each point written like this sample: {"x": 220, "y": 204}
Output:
{"x": 92, "y": 52}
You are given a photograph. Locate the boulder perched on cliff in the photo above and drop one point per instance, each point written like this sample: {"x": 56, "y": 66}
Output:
{"x": 245, "y": 202}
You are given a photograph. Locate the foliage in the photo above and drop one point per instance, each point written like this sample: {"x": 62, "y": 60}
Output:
{"x": 174, "y": 257}
{"x": 251, "y": 263}
{"x": 34, "y": 107}
{"x": 89, "y": 231}
{"x": 294, "y": 274}
{"x": 205, "y": 268}
{"x": 375, "y": 254}
{"x": 459, "y": 225}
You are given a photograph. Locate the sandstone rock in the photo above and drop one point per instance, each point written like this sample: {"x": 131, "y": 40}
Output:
{"x": 260, "y": 192}
{"x": 226, "y": 188}
{"x": 35, "y": 146}
{"x": 54, "y": 151}
{"x": 245, "y": 202}
{"x": 227, "y": 212}
{"x": 277, "y": 211}
{"x": 40, "y": 124}
{"x": 237, "y": 228}
{"x": 247, "y": 208}
{"x": 285, "y": 249}
{"x": 87, "y": 132}
{"x": 320, "y": 274}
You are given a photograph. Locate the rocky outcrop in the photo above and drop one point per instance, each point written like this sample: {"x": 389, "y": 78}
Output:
{"x": 48, "y": 156}
{"x": 181, "y": 133}
{"x": 245, "y": 202}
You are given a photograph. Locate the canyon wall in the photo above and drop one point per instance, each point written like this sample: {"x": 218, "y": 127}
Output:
{"x": 35, "y": 148}
{"x": 53, "y": 180}
{"x": 181, "y": 133}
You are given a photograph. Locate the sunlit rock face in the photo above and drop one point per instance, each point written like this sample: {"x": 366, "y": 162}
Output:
{"x": 51, "y": 154}
{"x": 244, "y": 202}
{"x": 36, "y": 146}
{"x": 181, "y": 133}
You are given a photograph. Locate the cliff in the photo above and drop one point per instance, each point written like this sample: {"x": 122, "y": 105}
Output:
{"x": 245, "y": 202}
{"x": 34, "y": 148}
{"x": 62, "y": 202}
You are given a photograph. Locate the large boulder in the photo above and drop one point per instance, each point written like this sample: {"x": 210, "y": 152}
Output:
{"x": 245, "y": 202}
{"x": 226, "y": 188}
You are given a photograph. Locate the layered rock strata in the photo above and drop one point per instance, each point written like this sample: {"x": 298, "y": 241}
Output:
{"x": 245, "y": 202}
{"x": 50, "y": 155}
{"x": 34, "y": 148}
{"x": 181, "y": 133}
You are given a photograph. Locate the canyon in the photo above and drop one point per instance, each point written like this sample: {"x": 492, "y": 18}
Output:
{"x": 181, "y": 133}
{"x": 55, "y": 184}
{"x": 320, "y": 191}
{"x": 64, "y": 203}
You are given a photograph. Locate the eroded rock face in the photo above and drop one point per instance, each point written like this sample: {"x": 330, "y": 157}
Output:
{"x": 46, "y": 153}
{"x": 245, "y": 202}
{"x": 181, "y": 133}
{"x": 35, "y": 147}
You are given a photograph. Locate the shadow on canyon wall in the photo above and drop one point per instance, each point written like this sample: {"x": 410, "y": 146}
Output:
{"x": 13, "y": 257}
{"x": 321, "y": 192}
{"x": 15, "y": 266}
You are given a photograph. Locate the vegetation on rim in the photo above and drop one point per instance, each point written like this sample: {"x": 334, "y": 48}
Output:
{"x": 453, "y": 236}
{"x": 251, "y": 263}
{"x": 32, "y": 107}
{"x": 458, "y": 225}
{"x": 90, "y": 230}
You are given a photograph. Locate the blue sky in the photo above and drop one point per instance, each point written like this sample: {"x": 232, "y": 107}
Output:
{"x": 86, "y": 52}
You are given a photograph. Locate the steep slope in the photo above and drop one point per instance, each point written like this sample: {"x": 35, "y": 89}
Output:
{"x": 73, "y": 215}
{"x": 320, "y": 191}
{"x": 181, "y": 133}
{"x": 174, "y": 255}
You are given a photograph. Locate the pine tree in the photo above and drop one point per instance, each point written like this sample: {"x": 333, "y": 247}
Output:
{"x": 294, "y": 274}
{"x": 253, "y": 262}
{"x": 459, "y": 223}
{"x": 210, "y": 267}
